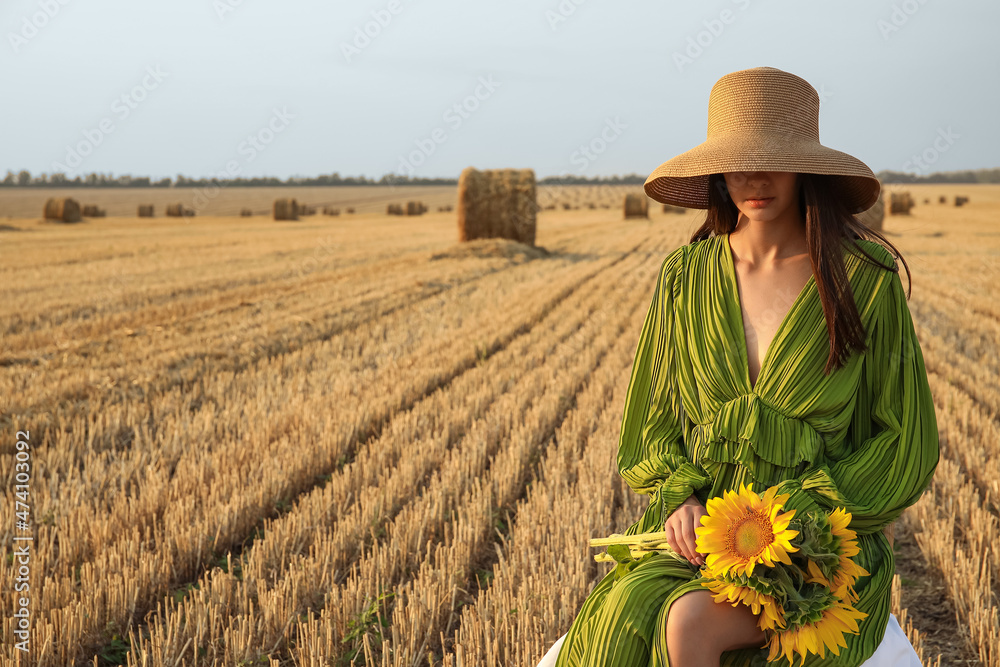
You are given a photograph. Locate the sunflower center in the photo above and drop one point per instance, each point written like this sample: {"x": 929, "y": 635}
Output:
{"x": 750, "y": 535}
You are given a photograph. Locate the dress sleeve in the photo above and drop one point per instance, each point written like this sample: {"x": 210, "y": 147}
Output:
{"x": 888, "y": 471}
{"x": 651, "y": 454}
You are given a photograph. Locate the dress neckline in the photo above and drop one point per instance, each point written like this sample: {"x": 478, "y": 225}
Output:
{"x": 779, "y": 333}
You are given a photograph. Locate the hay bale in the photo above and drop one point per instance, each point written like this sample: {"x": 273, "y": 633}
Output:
{"x": 942, "y": 199}
{"x": 306, "y": 209}
{"x": 670, "y": 208}
{"x": 960, "y": 200}
{"x": 245, "y": 213}
{"x": 350, "y": 210}
{"x": 63, "y": 209}
{"x": 145, "y": 210}
{"x": 286, "y": 209}
{"x": 874, "y": 216}
{"x": 187, "y": 212}
{"x": 93, "y": 211}
{"x": 329, "y": 210}
{"x": 415, "y": 208}
{"x": 636, "y": 206}
{"x": 900, "y": 203}
{"x": 497, "y": 203}
{"x": 175, "y": 210}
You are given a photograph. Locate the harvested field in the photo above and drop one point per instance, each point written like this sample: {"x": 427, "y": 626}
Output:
{"x": 351, "y": 438}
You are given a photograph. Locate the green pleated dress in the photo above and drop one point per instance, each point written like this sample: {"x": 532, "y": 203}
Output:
{"x": 864, "y": 438}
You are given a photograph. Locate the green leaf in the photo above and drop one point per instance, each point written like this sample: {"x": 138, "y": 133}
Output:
{"x": 620, "y": 552}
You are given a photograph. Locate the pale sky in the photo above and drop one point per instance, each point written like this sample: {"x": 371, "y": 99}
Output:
{"x": 297, "y": 87}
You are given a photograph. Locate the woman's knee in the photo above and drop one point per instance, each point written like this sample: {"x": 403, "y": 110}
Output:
{"x": 687, "y": 635}
{"x": 698, "y": 628}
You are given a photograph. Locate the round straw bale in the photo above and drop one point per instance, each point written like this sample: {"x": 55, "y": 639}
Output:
{"x": 175, "y": 210}
{"x": 636, "y": 206}
{"x": 145, "y": 210}
{"x": 246, "y": 213}
{"x": 961, "y": 200}
{"x": 900, "y": 203}
{"x": 942, "y": 199}
{"x": 497, "y": 203}
{"x": 286, "y": 209}
{"x": 63, "y": 209}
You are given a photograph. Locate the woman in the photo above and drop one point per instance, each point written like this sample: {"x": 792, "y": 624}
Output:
{"x": 778, "y": 350}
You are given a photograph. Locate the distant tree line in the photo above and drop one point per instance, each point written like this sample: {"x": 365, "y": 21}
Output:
{"x": 25, "y": 179}
{"x": 968, "y": 176}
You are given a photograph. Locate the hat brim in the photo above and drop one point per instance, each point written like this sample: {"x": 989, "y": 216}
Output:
{"x": 683, "y": 180}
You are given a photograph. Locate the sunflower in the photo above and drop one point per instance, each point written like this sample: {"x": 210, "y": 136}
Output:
{"x": 753, "y": 593}
{"x": 826, "y": 633}
{"x": 842, "y": 582}
{"x": 742, "y": 529}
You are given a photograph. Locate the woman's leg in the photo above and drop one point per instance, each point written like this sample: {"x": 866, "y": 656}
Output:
{"x": 699, "y": 629}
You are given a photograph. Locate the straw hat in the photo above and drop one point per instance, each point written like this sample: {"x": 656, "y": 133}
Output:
{"x": 761, "y": 119}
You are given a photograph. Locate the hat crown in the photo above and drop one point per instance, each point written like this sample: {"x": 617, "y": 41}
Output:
{"x": 763, "y": 100}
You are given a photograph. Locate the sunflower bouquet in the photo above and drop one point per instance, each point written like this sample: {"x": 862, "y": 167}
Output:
{"x": 794, "y": 572}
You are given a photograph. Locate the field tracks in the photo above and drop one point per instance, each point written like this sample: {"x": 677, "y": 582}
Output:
{"x": 345, "y": 542}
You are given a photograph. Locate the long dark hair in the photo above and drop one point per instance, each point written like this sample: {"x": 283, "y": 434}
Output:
{"x": 829, "y": 225}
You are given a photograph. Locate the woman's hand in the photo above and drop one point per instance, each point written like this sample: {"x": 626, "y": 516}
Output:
{"x": 680, "y": 526}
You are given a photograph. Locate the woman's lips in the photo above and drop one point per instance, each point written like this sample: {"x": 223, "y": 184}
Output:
{"x": 760, "y": 203}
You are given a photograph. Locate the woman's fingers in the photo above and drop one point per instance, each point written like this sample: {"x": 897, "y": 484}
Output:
{"x": 681, "y": 535}
{"x": 687, "y": 537}
{"x": 669, "y": 530}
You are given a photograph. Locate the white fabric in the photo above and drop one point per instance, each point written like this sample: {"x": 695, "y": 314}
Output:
{"x": 894, "y": 651}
